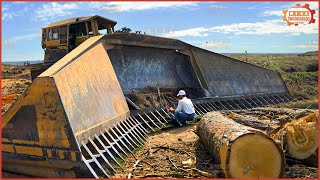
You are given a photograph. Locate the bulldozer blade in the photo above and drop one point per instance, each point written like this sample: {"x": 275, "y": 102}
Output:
{"x": 134, "y": 135}
{"x": 133, "y": 122}
{"x": 89, "y": 167}
{"x": 120, "y": 138}
{"x": 142, "y": 134}
{"x": 104, "y": 173}
{"x": 150, "y": 120}
{"x": 102, "y": 155}
{"x": 116, "y": 141}
{"x": 108, "y": 152}
{"x": 157, "y": 119}
{"x": 76, "y": 117}
{"x": 152, "y": 129}
{"x": 135, "y": 131}
{"x": 113, "y": 147}
{"x": 161, "y": 116}
{"x": 129, "y": 138}
{"x": 166, "y": 113}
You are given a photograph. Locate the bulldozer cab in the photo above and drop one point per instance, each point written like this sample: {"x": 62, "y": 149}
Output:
{"x": 61, "y": 37}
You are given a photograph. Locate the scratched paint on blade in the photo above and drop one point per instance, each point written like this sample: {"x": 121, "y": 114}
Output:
{"x": 88, "y": 87}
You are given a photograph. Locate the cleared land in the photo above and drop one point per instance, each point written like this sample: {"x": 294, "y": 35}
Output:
{"x": 179, "y": 153}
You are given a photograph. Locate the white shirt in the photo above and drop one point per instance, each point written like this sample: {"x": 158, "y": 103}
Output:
{"x": 185, "y": 105}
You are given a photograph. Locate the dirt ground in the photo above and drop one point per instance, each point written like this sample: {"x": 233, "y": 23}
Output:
{"x": 179, "y": 153}
{"x": 15, "y": 79}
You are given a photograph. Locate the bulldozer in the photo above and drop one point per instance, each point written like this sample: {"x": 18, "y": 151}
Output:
{"x": 100, "y": 93}
{"x": 61, "y": 37}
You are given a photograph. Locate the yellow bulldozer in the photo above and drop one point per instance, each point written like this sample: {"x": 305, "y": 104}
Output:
{"x": 100, "y": 93}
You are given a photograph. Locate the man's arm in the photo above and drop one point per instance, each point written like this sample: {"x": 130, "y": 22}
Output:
{"x": 179, "y": 107}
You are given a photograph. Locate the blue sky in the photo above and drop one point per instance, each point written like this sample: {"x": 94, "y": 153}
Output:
{"x": 222, "y": 27}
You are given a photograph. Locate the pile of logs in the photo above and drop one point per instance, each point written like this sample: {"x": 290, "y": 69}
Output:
{"x": 255, "y": 143}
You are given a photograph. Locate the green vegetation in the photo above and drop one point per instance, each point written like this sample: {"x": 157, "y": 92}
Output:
{"x": 299, "y": 72}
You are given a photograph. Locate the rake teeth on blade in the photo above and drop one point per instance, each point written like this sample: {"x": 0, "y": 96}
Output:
{"x": 125, "y": 136}
{"x": 145, "y": 122}
{"x": 120, "y": 138}
{"x": 97, "y": 163}
{"x": 133, "y": 121}
{"x": 105, "y": 152}
{"x": 114, "y": 146}
{"x": 106, "y": 148}
{"x": 204, "y": 106}
{"x": 150, "y": 120}
{"x": 135, "y": 134}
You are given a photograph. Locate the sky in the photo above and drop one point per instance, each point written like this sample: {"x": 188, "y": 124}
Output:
{"x": 221, "y": 27}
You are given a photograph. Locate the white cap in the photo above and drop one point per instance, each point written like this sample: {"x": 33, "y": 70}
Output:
{"x": 181, "y": 93}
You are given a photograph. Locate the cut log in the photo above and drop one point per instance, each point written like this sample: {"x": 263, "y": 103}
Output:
{"x": 243, "y": 152}
{"x": 251, "y": 121}
{"x": 312, "y": 160}
{"x": 283, "y": 115}
{"x": 300, "y": 139}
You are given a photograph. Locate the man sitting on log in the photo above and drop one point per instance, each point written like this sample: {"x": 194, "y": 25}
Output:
{"x": 184, "y": 111}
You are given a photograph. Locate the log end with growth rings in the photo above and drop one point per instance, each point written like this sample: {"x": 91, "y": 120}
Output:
{"x": 302, "y": 136}
{"x": 252, "y": 155}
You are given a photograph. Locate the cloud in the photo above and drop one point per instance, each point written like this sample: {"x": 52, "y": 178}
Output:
{"x": 10, "y": 43}
{"x": 212, "y": 44}
{"x": 305, "y": 46}
{"x": 7, "y": 14}
{"x": 272, "y": 13}
{"x": 52, "y": 10}
{"x": 5, "y": 8}
{"x": 31, "y": 36}
{"x": 278, "y": 12}
{"x": 257, "y": 28}
{"x": 139, "y": 6}
{"x": 250, "y": 8}
{"x": 218, "y": 6}
{"x": 218, "y": 44}
{"x": 196, "y": 32}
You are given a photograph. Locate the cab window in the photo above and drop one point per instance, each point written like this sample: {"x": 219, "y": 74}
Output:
{"x": 89, "y": 28}
{"x": 81, "y": 29}
{"x": 55, "y": 33}
{"x": 63, "y": 34}
{"x": 44, "y": 35}
{"x": 49, "y": 31}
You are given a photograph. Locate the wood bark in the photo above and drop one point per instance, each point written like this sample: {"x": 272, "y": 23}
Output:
{"x": 254, "y": 122}
{"x": 243, "y": 152}
{"x": 282, "y": 115}
{"x": 298, "y": 138}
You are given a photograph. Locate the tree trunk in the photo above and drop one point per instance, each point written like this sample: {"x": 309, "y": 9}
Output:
{"x": 251, "y": 121}
{"x": 243, "y": 152}
{"x": 283, "y": 115}
{"x": 300, "y": 139}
